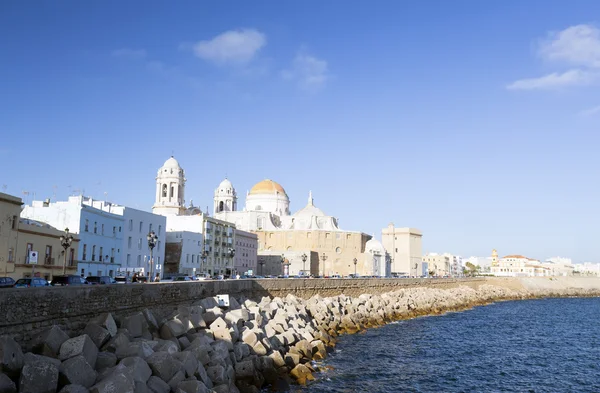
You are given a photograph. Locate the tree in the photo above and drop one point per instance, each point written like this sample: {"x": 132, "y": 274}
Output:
{"x": 471, "y": 269}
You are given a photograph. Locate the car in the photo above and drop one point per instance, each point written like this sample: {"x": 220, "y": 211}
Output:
{"x": 66, "y": 280}
{"x": 6, "y": 282}
{"x": 100, "y": 280}
{"x": 182, "y": 278}
{"x": 202, "y": 276}
{"x": 31, "y": 282}
{"x": 122, "y": 280}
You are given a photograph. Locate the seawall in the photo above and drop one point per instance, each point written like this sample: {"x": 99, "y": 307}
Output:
{"x": 26, "y": 312}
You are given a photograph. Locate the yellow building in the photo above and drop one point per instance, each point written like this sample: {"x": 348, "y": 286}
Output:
{"x": 19, "y": 236}
{"x": 438, "y": 265}
{"x": 405, "y": 246}
{"x": 519, "y": 266}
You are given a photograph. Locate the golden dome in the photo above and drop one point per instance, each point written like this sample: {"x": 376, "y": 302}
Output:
{"x": 267, "y": 186}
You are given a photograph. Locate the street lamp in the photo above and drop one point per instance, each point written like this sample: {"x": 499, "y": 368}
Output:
{"x": 203, "y": 257}
{"x": 416, "y": 269}
{"x": 65, "y": 242}
{"x": 152, "y": 240}
{"x": 304, "y": 258}
{"x": 231, "y": 253}
{"x": 261, "y": 262}
{"x": 355, "y": 262}
{"x": 323, "y": 258}
{"x": 283, "y": 263}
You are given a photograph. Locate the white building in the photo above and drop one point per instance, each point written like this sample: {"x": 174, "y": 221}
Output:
{"x": 519, "y": 266}
{"x": 136, "y": 252}
{"x": 170, "y": 189}
{"x": 380, "y": 264}
{"x": 100, "y": 232}
{"x": 246, "y": 252}
{"x": 587, "y": 269}
{"x": 187, "y": 247}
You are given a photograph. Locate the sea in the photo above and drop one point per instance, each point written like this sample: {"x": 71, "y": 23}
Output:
{"x": 545, "y": 345}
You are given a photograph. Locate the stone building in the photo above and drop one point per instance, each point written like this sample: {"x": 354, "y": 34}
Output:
{"x": 439, "y": 265}
{"x": 405, "y": 248}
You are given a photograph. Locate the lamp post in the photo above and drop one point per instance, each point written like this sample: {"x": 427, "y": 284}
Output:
{"x": 231, "y": 253}
{"x": 416, "y": 269}
{"x": 355, "y": 262}
{"x": 323, "y": 258}
{"x": 283, "y": 263}
{"x": 304, "y": 258}
{"x": 261, "y": 262}
{"x": 152, "y": 240}
{"x": 65, "y": 242}
{"x": 203, "y": 257}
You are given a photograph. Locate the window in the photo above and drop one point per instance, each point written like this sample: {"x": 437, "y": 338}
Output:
{"x": 149, "y": 227}
{"x": 48, "y": 256}
{"x": 158, "y": 246}
{"x": 129, "y": 242}
{"x": 328, "y": 236}
{"x": 128, "y": 259}
{"x": 130, "y": 225}
{"x": 15, "y": 220}
{"x": 119, "y": 229}
{"x": 139, "y": 243}
{"x": 95, "y": 226}
{"x": 193, "y": 258}
{"x": 164, "y": 190}
{"x": 11, "y": 254}
{"x": 114, "y": 231}
{"x": 141, "y": 226}
{"x": 87, "y": 225}
{"x": 100, "y": 255}
{"x": 172, "y": 190}
{"x": 93, "y": 253}
{"x": 139, "y": 260}
{"x": 187, "y": 258}
{"x": 159, "y": 230}
{"x": 84, "y": 252}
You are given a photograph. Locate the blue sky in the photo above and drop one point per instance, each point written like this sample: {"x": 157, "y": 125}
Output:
{"x": 476, "y": 122}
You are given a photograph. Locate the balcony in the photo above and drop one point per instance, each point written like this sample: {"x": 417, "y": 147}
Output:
{"x": 48, "y": 261}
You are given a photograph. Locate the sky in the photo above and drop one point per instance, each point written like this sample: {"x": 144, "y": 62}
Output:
{"x": 473, "y": 121}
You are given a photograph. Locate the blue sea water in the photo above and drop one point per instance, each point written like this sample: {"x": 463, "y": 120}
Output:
{"x": 547, "y": 345}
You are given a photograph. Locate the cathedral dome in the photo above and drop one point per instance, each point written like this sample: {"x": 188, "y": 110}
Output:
{"x": 171, "y": 163}
{"x": 267, "y": 186}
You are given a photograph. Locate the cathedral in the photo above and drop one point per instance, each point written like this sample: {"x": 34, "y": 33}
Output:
{"x": 305, "y": 242}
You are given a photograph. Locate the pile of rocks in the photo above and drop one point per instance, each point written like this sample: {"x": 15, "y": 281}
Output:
{"x": 207, "y": 348}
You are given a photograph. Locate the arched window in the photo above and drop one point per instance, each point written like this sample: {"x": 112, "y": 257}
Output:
{"x": 164, "y": 191}
{"x": 172, "y": 190}
{"x": 221, "y": 206}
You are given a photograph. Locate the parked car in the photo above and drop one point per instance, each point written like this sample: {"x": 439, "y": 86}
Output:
{"x": 122, "y": 280}
{"x": 100, "y": 280}
{"x": 63, "y": 281}
{"x": 31, "y": 282}
{"x": 202, "y": 276}
{"x": 182, "y": 278}
{"x": 6, "y": 282}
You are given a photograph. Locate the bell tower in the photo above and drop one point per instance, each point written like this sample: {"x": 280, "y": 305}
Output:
{"x": 225, "y": 198}
{"x": 170, "y": 189}
{"x": 494, "y": 258}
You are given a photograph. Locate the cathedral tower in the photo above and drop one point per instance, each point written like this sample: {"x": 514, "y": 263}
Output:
{"x": 225, "y": 198}
{"x": 170, "y": 189}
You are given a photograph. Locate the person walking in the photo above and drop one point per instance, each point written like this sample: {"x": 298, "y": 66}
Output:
{"x": 157, "y": 278}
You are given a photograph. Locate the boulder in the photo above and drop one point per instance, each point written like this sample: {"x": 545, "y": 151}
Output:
{"x": 74, "y": 389}
{"x": 78, "y": 371}
{"x": 49, "y": 341}
{"x": 11, "y": 357}
{"x": 6, "y": 384}
{"x": 135, "y": 324}
{"x": 224, "y": 335}
{"x": 141, "y": 387}
{"x": 301, "y": 374}
{"x": 192, "y": 387}
{"x": 167, "y": 346}
{"x": 106, "y": 321}
{"x": 259, "y": 349}
{"x": 216, "y": 374}
{"x": 164, "y": 365}
{"x": 202, "y": 376}
{"x": 115, "y": 382}
{"x": 245, "y": 369}
{"x": 152, "y": 323}
{"x": 173, "y": 328}
{"x": 97, "y": 333}
{"x": 105, "y": 360}
{"x": 176, "y": 380}
{"x": 201, "y": 352}
{"x": 218, "y": 323}
{"x": 157, "y": 385}
{"x": 140, "y": 348}
{"x": 137, "y": 368}
{"x": 184, "y": 342}
{"x": 119, "y": 340}
{"x": 80, "y": 345}
{"x": 291, "y": 359}
{"x": 39, "y": 374}
{"x": 249, "y": 337}
{"x": 197, "y": 321}
{"x": 189, "y": 362}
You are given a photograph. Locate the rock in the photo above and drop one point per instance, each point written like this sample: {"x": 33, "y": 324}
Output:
{"x": 105, "y": 360}
{"x": 202, "y": 376}
{"x": 245, "y": 369}
{"x": 135, "y": 324}
{"x": 201, "y": 352}
{"x": 301, "y": 374}
{"x": 291, "y": 359}
{"x": 176, "y": 380}
{"x": 39, "y": 374}
{"x": 163, "y": 365}
{"x": 173, "y": 328}
{"x": 48, "y": 342}
{"x": 157, "y": 385}
{"x": 140, "y": 348}
{"x": 106, "y": 321}
{"x": 98, "y": 334}
{"x": 192, "y": 387}
{"x": 137, "y": 368}
{"x": 6, "y": 384}
{"x": 197, "y": 321}
{"x": 222, "y": 389}
{"x": 11, "y": 357}
{"x": 119, "y": 340}
{"x": 74, "y": 389}
{"x": 78, "y": 371}
{"x": 141, "y": 388}
{"x": 152, "y": 323}
{"x": 116, "y": 382}
{"x": 224, "y": 335}
{"x": 249, "y": 337}
{"x": 259, "y": 349}
{"x": 80, "y": 345}
{"x": 189, "y": 362}
{"x": 167, "y": 346}
{"x": 184, "y": 342}
{"x": 216, "y": 374}
{"x": 278, "y": 360}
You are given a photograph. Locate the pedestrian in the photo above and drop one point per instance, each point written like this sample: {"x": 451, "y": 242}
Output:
{"x": 134, "y": 278}
{"x": 157, "y": 278}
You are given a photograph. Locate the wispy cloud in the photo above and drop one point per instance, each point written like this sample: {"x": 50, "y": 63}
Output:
{"x": 129, "y": 53}
{"x": 573, "y": 77}
{"x": 231, "y": 47}
{"x": 590, "y": 112}
{"x": 310, "y": 72}
{"x": 577, "y": 46}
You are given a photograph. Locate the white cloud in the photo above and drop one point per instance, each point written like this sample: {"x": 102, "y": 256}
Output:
{"x": 234, "y": 46}
{"x": 129, "y": 53}
{"x": 574, "y": 77}
{"x": 591, "y": 111}
{"x": 310, "y": 72}
{"x": 578, "y": 45}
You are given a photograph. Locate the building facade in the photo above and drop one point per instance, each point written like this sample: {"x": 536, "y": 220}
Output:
{"x": 519, "y": 266}
{"x": 439, "y": 265}
{"x": 246, "y": 252}
{"x": 100, "y": 233}
{"x": 184, "y": 255}
{"x": 10, "y": 211}
{"x": 405, "y": 248}
{"x": 170, "y": 189}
